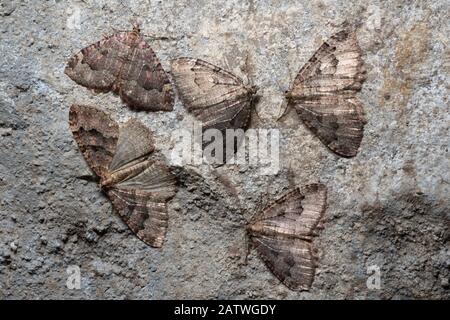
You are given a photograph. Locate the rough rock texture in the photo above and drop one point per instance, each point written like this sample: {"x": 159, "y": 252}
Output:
{"x": 388, "y": 206}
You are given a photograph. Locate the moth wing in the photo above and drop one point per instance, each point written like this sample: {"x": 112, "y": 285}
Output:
{"x": 141, "y": 202}
{"x": 156, "y": 182}
{"x": 96, "y": 135}
{"x": 143, "y": 83}
{"x": 202, "y": 84}
{"x": 337, "y": 121}
{"x": 296, "y": 214}
{"x": 335, "y": 68}
{"x": 135, "y": 142}
{"x": 98, "y": 65}
{"x": 147, "y": 218}
{"x": 291, "y": 260}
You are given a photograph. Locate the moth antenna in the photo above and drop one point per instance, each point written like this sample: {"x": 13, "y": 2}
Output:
{"x": 280, "y": 87}
{"x": 315, "y": 233}
{"x": 135, "y": 23}
{"x": 290, "y": 76}
{"x": 291, "y": 176}
{"x": 285, "y": 111}
{"x": 345, "y": 24}
{"x": 89, "y": 178}
{"x": 263, "y": 199}
{"x": 247, "y": 69}
{"x": 247, "y": 248}
{"x": 226, "y": 64}
{"x": 115, "y": 30}
{"x": 137, "y": 28}
{"x": 162, "y": 38}
{"x": 257, "y": 114}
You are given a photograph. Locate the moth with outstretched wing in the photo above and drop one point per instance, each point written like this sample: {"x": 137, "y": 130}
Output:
{"x": 137, "y": 184}
{"x": 282, "y": 235}
{"x": 216, "y": 97}
{"x": 126, "y": 65}
{"x": 324, "y": 94}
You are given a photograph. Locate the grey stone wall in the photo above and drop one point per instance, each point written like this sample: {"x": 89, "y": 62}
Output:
{"x": 388, "y": 207}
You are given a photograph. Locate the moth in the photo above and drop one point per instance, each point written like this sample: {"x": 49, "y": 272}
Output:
{"x": 282, "y": 234}
{"x": 216, "y": 97}
{"x": 324, "y": 94}
{"x": 124, "y": 64}
{"x": 137, "y": 184}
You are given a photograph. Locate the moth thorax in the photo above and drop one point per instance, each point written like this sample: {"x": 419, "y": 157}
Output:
{"x": 255, "y": 228}
{"x": 252, "y": 90}
{"x": 289, "y": 96}
{"x": 108, "y": 180}
{"x": 136, "y": 31}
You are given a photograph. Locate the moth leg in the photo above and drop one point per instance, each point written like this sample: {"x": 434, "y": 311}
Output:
{"x": 226, "y": 63}
{"x": 89, "y": 178}
{"x": 113, "y": 211}
{"x": 262, "y": 201}
{"x": 254, "y": 104}
{"x": 246, "y": 69}
{"x": 285, "y": 111}
{"x": 316, "y": 231}
{"x": 291, "y": 176}
{"x": 247, "y": 249}
{"x": 320, "y": 225}
{"x": 114, "y": 30}
{"x": 315, "y": 253}
{"x": 135, "y": 24}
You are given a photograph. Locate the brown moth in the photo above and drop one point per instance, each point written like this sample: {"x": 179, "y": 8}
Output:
{"x": 216, "y": 97}
{"x": 137, "y": 185}
{"x": 283, "y": 232}
{"x": 126, "y": 65}
{"x": 324, "y": 94}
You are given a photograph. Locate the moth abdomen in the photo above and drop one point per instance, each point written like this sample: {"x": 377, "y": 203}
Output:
{"x": 124, "y": 173}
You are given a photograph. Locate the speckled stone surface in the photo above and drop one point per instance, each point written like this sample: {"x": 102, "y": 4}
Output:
{"x": 387, "y": 207}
